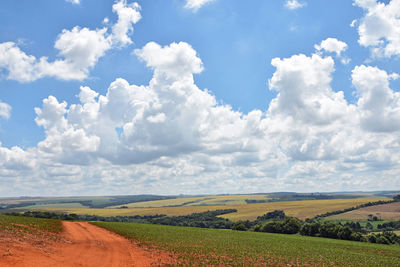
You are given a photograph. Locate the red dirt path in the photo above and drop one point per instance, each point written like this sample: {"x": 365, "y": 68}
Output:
{"x": 82, "y": 244}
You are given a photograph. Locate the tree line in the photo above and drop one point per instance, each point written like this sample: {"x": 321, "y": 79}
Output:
{"x": 278, "y": 222}
{"x": 206, "y": 219}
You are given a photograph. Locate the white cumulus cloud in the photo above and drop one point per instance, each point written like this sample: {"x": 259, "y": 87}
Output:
{"x": 171, "y": 136}
{"x": 5, "y": 110}
{"x": 128, "y": 14}
{"x": 294, "y": 4}
{"x": 79, "y": 49}
{"x": 196, "y": 4}
{"x": 379, "y": 29}
{"x": 332, "y": 45}
{"x": 75, "y": 2}
{"x": 134, "y": 124}
{"x": 378, "y": 103}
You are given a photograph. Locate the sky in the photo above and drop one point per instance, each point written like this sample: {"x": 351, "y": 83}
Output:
{"x": 198, "y": 96}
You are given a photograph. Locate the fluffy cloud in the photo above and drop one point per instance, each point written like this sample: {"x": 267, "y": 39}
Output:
{"x": 294, "y": 4}
{"x": 332, "y": 45}
{"x": 128, "y": 14}
{"x": 15, "y": 160}
{"x": 5, "y": 110}
{"x": 75, "y": 2}
{"x": 79, "y": 49}
{"x": 196, "y": 4}
{"x": 379, "y": 29}
{"x": 134, "y": 124}
{"x": 304, "y": 90}
{"x": 171, "y": 136}
{"x": 378, "y": 103}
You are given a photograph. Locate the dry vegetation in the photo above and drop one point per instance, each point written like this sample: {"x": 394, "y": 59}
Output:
{"x": 385, "y": 212}
{"x": 197, "y": 201}
{"x": 300, "y": 209}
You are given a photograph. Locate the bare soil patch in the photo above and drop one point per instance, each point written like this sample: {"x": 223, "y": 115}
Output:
{"x": 81, "y": 244}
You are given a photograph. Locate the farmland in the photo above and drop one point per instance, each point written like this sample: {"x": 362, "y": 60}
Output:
{"x": 385, "y": 212}
{"x": 190, "y": 245}
{"x": 300, "y": 209}
{"x": 199, "y": 201}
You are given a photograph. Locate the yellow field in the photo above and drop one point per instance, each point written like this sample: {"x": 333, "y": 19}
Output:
{"x": 197, "y": 201}
{"x": 385, "y": 212}
{"x": 300, "y": 209}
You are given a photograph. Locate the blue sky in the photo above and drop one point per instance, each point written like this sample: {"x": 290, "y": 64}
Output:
{"x": 323, "y": 117}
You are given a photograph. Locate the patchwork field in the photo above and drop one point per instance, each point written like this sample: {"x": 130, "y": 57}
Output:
{"x": 209, "y": 247}
{"x": 198, "y": 201}
{"x": 300, "y": 209}
{"x": 385, "y": 212}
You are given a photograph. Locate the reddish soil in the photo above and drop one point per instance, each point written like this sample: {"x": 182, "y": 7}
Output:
{"x": 81, "y": 244}
{"x": 385, "y": 212}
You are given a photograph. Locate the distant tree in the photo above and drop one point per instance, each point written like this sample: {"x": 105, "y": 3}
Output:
{"x": 239, "y": 226}
{"x": 306, "y": 229}
{"x": 329, "y": 229}
{"x": 273, "y": 215}
{"x": 382, "y": 240}
{"x": 372, "y": 238}
{"x": 291, "y": 225}
{"x": 396, "y": 198}
{"x": 369, "y": 226}
{"x": 344, "y": 233}
{"x": 272, "y": 227}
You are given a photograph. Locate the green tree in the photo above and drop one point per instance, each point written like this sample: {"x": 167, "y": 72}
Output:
{"x": 239, "y": 226}
{"x": 369, "y": 226}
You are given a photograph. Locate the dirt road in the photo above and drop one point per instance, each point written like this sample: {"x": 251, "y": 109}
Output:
{"x": 83, "y": 244}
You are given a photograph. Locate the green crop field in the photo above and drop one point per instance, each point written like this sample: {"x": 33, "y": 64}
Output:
{"x": 196, "y": 246}
{"x": 23, "y": 225}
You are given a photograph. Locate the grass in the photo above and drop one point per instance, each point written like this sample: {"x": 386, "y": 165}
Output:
{"x": 196, "y": 246}
{"x": 384, "y": 212}
{"x": 27, "y": 225}
{"x": 300, "y": 209}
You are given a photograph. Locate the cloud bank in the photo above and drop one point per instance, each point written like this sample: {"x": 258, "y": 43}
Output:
{"x": 170, "y": 134}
